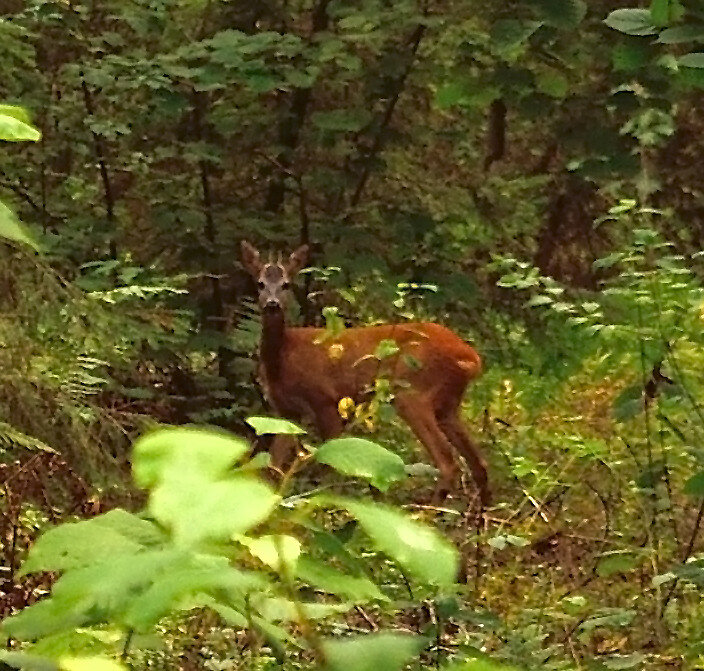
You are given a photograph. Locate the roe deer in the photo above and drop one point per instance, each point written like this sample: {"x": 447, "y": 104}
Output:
{"x": 303, "y": 374}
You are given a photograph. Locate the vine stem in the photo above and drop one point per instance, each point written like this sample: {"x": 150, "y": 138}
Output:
{"x": 687, "y": 555}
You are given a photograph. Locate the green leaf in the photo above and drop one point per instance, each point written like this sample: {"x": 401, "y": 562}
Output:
{"x": 178, "y": 451}
{"x": 466, "y": 91}
{"x": 631, "y": 21}
{"x": 279, "y": 609}
{"x": 269, "y": 425}
{"x": 662, "y": 578}
{"x": 196, "y": 508}
{"x": 553, "y": 84}
{"x": 182, "y": 588}
{"x": 364, "y": 459}
{"x": 691, "y": 32}
{"x": 617, "y": 561}
{"x": 540, "y": 299}
{"x": 695, "y": 485}
{"x": 27, "y": 662}
{"x": 381, "y": 651}
{"x": 665, "y": 12}
{"x": 422, "y": 551}
{"x": 342, "y": 120}
{"x": 385, "y": 349}
{"x": 76, "y": 544}
{"x": 565, "y": 14}
{"x": 15, "y": 126}
{"x": 90, "y": 664}
{"x": 620, "y": 662}
{"x": 628, "y": 58}
{"x": 693, "y": 60}
{"x": 12, "y": 229}
{"x": 608, "y": 261}
{"x": 274, "y": 551}
{"x": 628, "y": 403}
{"x": 322, "y": 576}
{"x": 502, "y": 541}
{"x": 608, "y": 618}
{"x": 507, "y": 34}
{"x": 479, "y": 663}
{"x": 16, "y": 112}
{"x": 94, "y": 593}
{"x": 692, "y": 571}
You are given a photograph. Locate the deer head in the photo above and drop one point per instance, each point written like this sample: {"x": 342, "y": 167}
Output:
{"x": 273, "y": 278}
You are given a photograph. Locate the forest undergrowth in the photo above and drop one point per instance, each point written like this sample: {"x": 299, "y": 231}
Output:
{"x": 525, "y": 173}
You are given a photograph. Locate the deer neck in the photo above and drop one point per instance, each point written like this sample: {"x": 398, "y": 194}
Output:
{"x": 272, "y": 343}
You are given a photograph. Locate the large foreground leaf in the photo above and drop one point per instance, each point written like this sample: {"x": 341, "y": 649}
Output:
{"x": 382, "y": 651}
{"x": 15, "y": 125}
{"x": 175, "y": 451}
{"x": 196, "y": 508}
{"x": 419, "y": 549}
{"x": 12, "y": 229}
{"x": 363, "y": 459}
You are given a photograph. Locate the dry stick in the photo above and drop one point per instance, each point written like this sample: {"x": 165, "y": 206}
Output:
{"x": 661, "y": 440}
{"x": 648, "y": 442}
{"x": 100, "y": 153}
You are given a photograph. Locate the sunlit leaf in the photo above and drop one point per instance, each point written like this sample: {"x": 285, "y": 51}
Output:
{"x": 12, "y": 229}
{"x": 90, "y": 664}
{"x": 274, "y": 551}
{"x": 197, "y": 508}
{"x": 274, "y": 425}
{"x": 419, "y": 549}
{"x": 75, "y": 544}
{"x": 15, "y": 126}
{"x": 178, "y": 451}
{"x": 362, "y": 458}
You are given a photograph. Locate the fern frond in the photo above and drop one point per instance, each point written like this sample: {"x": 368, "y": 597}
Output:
{"x": 11, "y": 438}
{"x": 120, "y": 294}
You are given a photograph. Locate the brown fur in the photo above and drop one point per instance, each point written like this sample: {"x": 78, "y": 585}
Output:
{"x": 305, "y": 373}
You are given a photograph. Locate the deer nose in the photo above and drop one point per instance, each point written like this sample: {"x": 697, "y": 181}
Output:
{"x": 271, "y": 304}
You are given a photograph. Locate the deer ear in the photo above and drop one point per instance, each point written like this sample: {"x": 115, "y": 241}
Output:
{"x": 250, "y": 259}
{"x": 297, "y": 260}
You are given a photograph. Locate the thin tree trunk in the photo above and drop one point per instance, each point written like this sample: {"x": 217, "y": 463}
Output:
{"x": 217, "y": 312}
{"x": 378, "y": 141}
{"x": 291, "y": 125}
{"x": 101, "y": 156}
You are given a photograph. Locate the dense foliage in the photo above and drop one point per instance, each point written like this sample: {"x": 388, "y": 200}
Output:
{"x": 525, "y": 172}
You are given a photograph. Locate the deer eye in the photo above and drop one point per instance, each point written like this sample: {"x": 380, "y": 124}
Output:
{"x": 285, "y": 285}
{"x": 261, "y": 284}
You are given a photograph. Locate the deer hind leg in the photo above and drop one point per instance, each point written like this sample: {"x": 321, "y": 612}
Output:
{"x": 418, "y": 413}
{"x": 456, "y": 431}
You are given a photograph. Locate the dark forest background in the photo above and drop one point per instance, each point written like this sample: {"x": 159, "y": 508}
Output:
{"x": 525, "y": 172}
